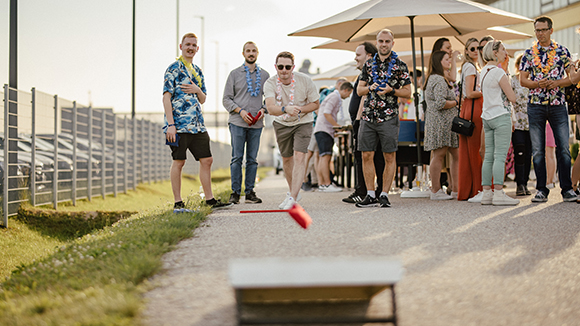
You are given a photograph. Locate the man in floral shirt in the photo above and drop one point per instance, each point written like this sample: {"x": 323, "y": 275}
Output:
{"x": 545, "y": 71}
{"x": 384, "y": 78}
{"x": 183, "y": 93}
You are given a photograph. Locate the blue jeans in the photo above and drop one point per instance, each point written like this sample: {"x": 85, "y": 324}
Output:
{"x": 497, "y": 143}
{"x": 244, "y": 139}
{"x": 557, "y": 115}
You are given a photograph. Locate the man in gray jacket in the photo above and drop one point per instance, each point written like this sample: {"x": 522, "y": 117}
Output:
{"x": 243, "y": 99}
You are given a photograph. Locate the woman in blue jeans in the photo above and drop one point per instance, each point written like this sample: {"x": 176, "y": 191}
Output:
{"x": 497, "y": 124}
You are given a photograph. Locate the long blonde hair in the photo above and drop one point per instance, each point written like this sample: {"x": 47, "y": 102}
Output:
{"x": 466, "y": 57}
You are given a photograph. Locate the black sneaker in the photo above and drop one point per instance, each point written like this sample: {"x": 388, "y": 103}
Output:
{"x": 353, "y": 198}
{"x": 217, "y": 204}
{"x": 570, "y": 195}
{"x": 234, "y": 198}
{"x": 521, "y": 190}
{"x": 540, "y": 197}
{"x": 528, "y": 192}
{"x": 384, "y": 201}
{"x": 368, "y": 202}
{"x": 251, "y": 198}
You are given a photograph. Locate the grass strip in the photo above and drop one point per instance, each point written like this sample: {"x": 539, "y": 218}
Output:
{"x": 99, "y": 278}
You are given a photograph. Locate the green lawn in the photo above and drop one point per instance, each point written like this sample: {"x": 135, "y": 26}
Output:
{"x": 96, "y": 279}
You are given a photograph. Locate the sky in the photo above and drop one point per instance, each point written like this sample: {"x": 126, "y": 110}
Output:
{"x": 81, "y": 50}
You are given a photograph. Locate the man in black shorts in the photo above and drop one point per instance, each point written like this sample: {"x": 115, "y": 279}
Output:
{"x": 384, "y": 78}
{"x": 183, "y": 93}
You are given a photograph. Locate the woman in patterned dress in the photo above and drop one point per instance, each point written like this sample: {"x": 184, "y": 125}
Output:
{"x": 441, "y": 109}
{"x": 521, "y": 134}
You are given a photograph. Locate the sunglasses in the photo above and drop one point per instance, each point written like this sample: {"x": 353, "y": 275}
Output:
{"x": 472, "y": 49}
{"x": 542, "y": 30}
{"x": 480, "y": 48}
{"x": 281, "y": 67}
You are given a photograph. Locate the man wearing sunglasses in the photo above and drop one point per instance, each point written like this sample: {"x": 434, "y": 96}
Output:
{"x": 291, "y": 97}
{"x": 243, "y": 99}
{"x": 545, "y": 70}
{"x": 384, "y": 78}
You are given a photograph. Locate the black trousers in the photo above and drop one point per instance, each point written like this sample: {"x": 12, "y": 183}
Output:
{"x": 522, "y": 155}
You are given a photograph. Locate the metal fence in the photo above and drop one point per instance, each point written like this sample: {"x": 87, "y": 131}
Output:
{"x": 55, "y": 150}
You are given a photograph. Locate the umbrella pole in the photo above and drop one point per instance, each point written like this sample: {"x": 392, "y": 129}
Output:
{"x": 421, "y": 193}
{"x": 415, "y": 93}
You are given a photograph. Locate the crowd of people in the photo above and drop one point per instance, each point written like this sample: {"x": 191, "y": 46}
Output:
{"x": 516, "y": 114}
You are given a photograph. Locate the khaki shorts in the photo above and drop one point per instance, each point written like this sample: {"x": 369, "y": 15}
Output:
{"x": 313, "y": 146}
{"x": 293, "y": 138}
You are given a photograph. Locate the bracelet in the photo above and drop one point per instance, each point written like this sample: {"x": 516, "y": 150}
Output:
{"x": 240, "y": 111}
{"x": 539, "y": 85}
{"x": 171, "y": 125}
{"x": 369, "y": 89}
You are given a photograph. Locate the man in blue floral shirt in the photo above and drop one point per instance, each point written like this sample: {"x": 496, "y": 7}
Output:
{"x": 384, "y": 78}
{"x": 183, "y": 93}
{"x": 545, "y": 71}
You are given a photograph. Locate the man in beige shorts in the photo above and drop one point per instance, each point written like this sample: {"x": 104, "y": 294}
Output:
{"x": 291, "y": 97}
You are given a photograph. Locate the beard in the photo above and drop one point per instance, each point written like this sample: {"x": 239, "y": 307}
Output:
{"x": 251, "y": 60}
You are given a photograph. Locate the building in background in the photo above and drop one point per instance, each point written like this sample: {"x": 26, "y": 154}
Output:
{"x": 564, "y": 13}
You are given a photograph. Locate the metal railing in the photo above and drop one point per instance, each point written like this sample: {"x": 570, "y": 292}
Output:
{"x": 55, "y": 150}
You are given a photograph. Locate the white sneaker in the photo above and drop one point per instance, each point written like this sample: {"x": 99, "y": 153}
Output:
{"x": 551, "y": 185}
{"x": 454, "y": 194}
{"x": 322, "y": 188}
{"x": 500, "y": 198}
{"x": 487, "y": 197}
{"x": 440, "y": 195}
{"x": 476, "y": 198}
{"x": 332, "y": 188}
{"x": 285, "y": 202}
{"x": 289, "y": 203}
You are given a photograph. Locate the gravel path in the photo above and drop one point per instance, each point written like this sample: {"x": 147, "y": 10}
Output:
{"x": 466, "y": 264}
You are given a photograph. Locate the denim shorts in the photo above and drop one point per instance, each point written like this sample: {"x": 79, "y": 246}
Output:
{"x": 325, "y": 143}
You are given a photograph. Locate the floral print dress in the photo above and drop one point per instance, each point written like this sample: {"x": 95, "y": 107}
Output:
{"x": 438, "y": 120}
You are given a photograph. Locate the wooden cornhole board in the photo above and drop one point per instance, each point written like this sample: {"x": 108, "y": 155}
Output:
{"x": 306, "y": 290}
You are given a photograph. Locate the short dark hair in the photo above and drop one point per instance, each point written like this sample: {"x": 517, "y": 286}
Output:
{"x": 369, "y": 47}
{"x": 285, "y": 54}
{"x": 249, "y": 42}
{"x": 419, "y": 73}
{"x": 544, "y": 19}
{"x": 346, "y": 86}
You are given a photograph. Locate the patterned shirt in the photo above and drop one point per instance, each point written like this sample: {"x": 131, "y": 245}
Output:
{"x": 521, "y": 105}
{"x": 186, "y": 107}
{"x": 380, "y": 108}
{"x": 554, "y": 96}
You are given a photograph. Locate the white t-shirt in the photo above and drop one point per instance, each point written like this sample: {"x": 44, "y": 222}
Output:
{"x": 469, "y": 70}
{"x": 495, "y": 103}
{"x": 304, "y": 92}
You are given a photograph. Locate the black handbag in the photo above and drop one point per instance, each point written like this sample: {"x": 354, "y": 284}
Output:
{"x": 460, "y": 125}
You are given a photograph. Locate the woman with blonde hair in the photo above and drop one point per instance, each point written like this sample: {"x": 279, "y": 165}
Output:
{"x": 441, "y": 108}
{"x": 469, "y": 185}
{"x": 497, "y": 124}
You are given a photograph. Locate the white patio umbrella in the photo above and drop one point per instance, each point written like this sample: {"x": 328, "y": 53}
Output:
{"x": 404, "y": 44}
{"x": 350, "y": 72}
{"x": 411, "y": 18}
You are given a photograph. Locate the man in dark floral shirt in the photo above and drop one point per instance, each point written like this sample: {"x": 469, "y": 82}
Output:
{"x": 384, "y": 78}
{"x": 545, "y": 70}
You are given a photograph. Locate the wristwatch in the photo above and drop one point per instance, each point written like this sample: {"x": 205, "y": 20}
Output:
{"x": 391, "y": 93}
{"x": 283, "y": 109}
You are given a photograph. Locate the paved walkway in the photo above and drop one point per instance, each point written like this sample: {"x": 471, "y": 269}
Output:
{"x": 466, "y": 264}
